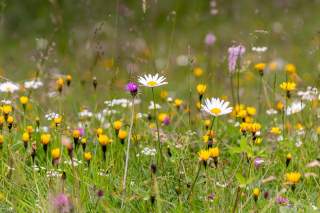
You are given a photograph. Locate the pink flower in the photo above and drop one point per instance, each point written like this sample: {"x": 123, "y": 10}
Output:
{"x": 210, "y": 39}
{"x": 235, "y": 53}
{"x": 62, "y": 203}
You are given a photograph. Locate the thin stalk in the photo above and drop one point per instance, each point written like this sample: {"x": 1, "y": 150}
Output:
{"x": 238, "y": 86}
{"x": 157, "y": 124}
{"x": 127, "y": 155}
{"x": 194, "y": 181}
{"x": 232, "y": 89}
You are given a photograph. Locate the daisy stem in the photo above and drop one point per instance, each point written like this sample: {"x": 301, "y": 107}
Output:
{"x": 127, "y": 154}
{"x": 157, "y": 124}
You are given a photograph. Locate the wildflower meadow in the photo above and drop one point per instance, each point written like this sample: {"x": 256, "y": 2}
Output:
{"x": 159, "y": 106}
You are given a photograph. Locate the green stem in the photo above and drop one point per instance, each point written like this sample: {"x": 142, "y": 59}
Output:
{"x": 127, "y": 155}
{"x": 157, "y": 124}
{"x": 194, "y": 182}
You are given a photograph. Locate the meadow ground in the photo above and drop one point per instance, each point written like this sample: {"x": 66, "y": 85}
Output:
{"x": 159, "y": 106}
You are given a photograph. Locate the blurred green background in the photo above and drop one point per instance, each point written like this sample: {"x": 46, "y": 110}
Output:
{"x": 90, "y": 33}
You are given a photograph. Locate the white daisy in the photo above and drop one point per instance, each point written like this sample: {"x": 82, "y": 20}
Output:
{"x": 152, "y": 81}
{"x": 216, "y": 107}
{"x": 295, "y": 107}
{"x": 9, "y": 87}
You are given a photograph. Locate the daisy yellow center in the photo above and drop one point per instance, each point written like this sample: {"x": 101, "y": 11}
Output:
{"x": 215, "y": 111}
{"x": 152, "y": 83}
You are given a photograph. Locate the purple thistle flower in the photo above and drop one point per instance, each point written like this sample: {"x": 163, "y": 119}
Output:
{"x": 282, "y": 200}
{"x": 235, "y": 53}
{"x": 166, "y": 121}
{"x": 81, "y": 130}
{"x": 210, "y": 39}
{"x": 258, "y": 162}
{"x": 132, "y": 88}
{"x": 62, "y": 203}
{"x": 100, "y": 193}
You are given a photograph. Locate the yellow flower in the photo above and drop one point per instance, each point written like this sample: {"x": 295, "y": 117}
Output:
{"x": 2, "y": 119}
{"x": 57, "y": 120}
{"x": 288, "y": 86}
{"x": 117, "y": 125}
{"x": 25, "y": 137}
{"x": 69, "y": 77}
{"x": 201, "y": 89}
{"x": 122, "y": 134}
{"x": 87, "y": 156}
{"x": 318, "y": 130}
{"x": 197, "y": 72}
{"x": 214, "y": 152}
{"x": 205, "y": 138}
{"x": 76, "y": 133}
{"x": 104, "y": 140}
{"x": 299, "y": 126}
{"x": 83, "y": 140}
{"x": 6, "y": 109}
{"x": 55, "y": 153}
{"x": 163, "y": 94}
{"x": 45, "y": 138}
{"x": 279, "y": 106}
{"x": 258, "y": 141}
{"x": 60, "y": 83}
{"x": 244, "y": 127}
{"x": 29, "y": 129}
{"x": 290, "y": 69}
{"x": 255, "y": 127}
{"x": 251, "y": 111}
{"x": 260, "y": 67}
{"x": 203, "y": 155}
{"x": 289, "y": 156}
{"x": 242, "y": 113}
{"x": 99, "y": 131}
{"x": 207, "y": 123}
{"x": 24, "y": 100}
{"x": 1, "y": 139}
{"x": 248, "y": 119}
{"x": 178, "y": 102}
{"x": 10, "y": 120}
{"x": 275, "y": 130}
{"x": 256, "y": 192}
{"x": 162, "y": 116}
{"x": 293, "y": 177}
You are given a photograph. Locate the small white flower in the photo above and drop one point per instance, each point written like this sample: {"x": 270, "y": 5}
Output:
{"x": 152, "y": 81}
{"x": 152, "y": 106}
{"x": 33, "y": 84}
{"x": 271, "y": 112}
{"x": 9, "y": 87}
{"x": 52, "y": 115}
{"x": 310, "y": 94}
{"x": 298, "y": 143}
{"x": 216, "y": 107}
{"x": 6, "y": 102}
{"x": 85, "y": 114}
{"x": 259, "y": 49}
{"x": 149, "y": 151}
{"x": 295, "y": 107}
